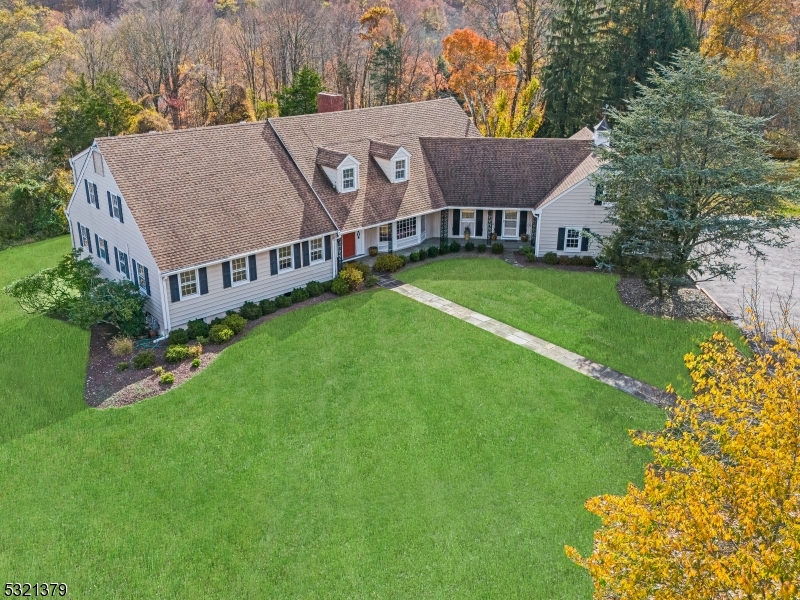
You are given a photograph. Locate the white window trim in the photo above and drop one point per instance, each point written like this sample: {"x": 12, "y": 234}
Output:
{"x": 101, "y": 246}
{"x": 405, "y": 169}
{"x": 355, "y": 179}
{"x": 138, "y": 280}
{"x": 196, "y": 284}
{"x": 84, "y": 239}
{"x": 321, "y": 251}
{"x": 246, "y": 271}
{"x": 515, "y": 236}
{"x": 116, "y": 206}
{"x": 291, "y": 259}
{"x": 93, "y": 199}
{"x": 126, "y": 263}
{"x": 567, "y": 229}
{"x": 97, "y": 159}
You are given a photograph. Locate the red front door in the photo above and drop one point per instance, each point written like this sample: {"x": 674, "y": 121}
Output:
{"x": 348, "y": 245}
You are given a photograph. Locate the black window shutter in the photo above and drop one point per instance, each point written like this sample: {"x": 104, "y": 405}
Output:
{"x": 226, "y": 274}
{"x": 108, "y": 258}
{"x": 327, "y": 247}
{"x": 273, "y": 262}
{"x": 562, "y": 233}
{"x": 110, "y": 208}
{"x": 523, "y": 221}
{"x": 89, "y": 239}
{"x": 203, "y": 275}
{"x": 88, "y": 197}
{"x": 97, "y": 244}
{"x": 306, "y": 255}
{"x": 498, "y": 221}
{"x": 585, "y": 240}
{"x": 121, "y": 218}
{"x": 116, "y": 258}
{"x": 297, "y": 263}
{"x": 252, "y": 264}
{"x": 135, "y": 277}
{"x": 478, "y": 223}
{"x": 456, "y": 220}
{"x": 147, "y": 281}
{"x": 174, "y": 290}
{"x": 80, "y": 234}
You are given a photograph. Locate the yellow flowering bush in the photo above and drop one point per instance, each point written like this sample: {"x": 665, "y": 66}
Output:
{"x": 719, "y": 513}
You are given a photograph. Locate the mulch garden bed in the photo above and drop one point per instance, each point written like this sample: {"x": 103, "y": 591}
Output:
{"x": 689, "y": 303}
{"x": 522, "y": 261}
{"x": 107, "y": 387}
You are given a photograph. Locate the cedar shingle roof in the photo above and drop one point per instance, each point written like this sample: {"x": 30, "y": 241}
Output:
{"x": 502, "y": 172}
{"x": 200, "y": 195}
{"x": 353, "y": 132}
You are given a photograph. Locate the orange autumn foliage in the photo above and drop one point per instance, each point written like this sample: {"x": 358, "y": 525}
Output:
{"x": 719, "y": 513}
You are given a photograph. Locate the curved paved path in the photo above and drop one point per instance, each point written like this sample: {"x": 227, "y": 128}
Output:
{"x": 576, "y": 362}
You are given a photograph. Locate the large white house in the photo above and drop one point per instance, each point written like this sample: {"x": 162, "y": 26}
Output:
{"x": 205, "y": 219}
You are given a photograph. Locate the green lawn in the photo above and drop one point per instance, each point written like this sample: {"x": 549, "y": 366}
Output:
{"x": 580, "y": 311}
{"x": 369, "y": 447}
{"x": 42, "y": 361}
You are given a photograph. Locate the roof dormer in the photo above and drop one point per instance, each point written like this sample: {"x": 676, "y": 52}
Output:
{"x": 395, "y": 161}
{"x": 341, "y": 169}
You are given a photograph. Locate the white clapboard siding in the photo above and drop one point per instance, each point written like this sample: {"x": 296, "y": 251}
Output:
{"x": 125, "y": 236}
{"x": 575, "y": 208}
{"x": 266, "y": 286}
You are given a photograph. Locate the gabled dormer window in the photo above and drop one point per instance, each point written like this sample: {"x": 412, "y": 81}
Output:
{"x": 400, "y": 169}
{"x": 348, "y": 179}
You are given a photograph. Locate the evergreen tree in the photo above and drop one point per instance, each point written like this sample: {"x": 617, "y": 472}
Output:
{"x": 386, "y": 73}
{"x": 573, "y": 79}
{"x": 300, "y": 98}
{"x": 639, "y": 35}
{"x": 689, "y": 181}
{"x": 85, "y": 113}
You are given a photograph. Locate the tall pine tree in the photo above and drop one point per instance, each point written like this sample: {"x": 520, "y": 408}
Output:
{"x": 574, "y": 79}
{"x": 639, "y": 34}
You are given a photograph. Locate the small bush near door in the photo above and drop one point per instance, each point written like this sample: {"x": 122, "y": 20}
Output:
{"x": 314, "y": 289}
{"x": 235, "y": 322}
{"x": 267, "y": 307}
{"x": 588, "y": 261}
{"x": 469, "y": 246}
{"x": 455, "y": 246}
{"x": 497, "y": 248}
{"x": 481, "y": 248}
{"x": 576, "y": 261}
{"x": 219, "y": 334}
{"x": 197, "y": 328}
{"x": 178, "y": 336}
{"x": 371, "y": 281}
{"x": 388, "y": 263}
{"x": 444, "y": 248}
{"x": 283, "y": 301}
{"x": 433, "y": 252}
{"x": 551, "y": 258}
{"x": 528, "y": 253}
{"x": 299, "y": 295}
{"x": 422, "y": 254}
{"x": 414, "y": 256}
{"x": 250, "y": 311}
{"x": 563, "y": 259}
{"x": 340, "y": 287}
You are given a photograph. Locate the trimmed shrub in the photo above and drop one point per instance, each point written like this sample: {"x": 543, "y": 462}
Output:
{"x": 167, "y": 379}
{"x": 360, "y": 267}
{"x": 197, "y": 328}
{"x": 250, "y": 311}
{"x": 176, "y": 353}
{"x": 219, "y": 334}
{"x": 388, "y": 263}
{"x": 404, "y": 258}
{"x": 340, "y": 287}
{"x": 528, "y": 253}
{"x": 298, "y": 295}
{"x": 576, "y": 261}
{"x": 215, "y": 321}
{"x": 354, "y": 278}
{"x": 481, "y": 247}
{"x": 195, "y": 363}
{"x": 283, "y": 301}
{"x": 469, "y": 246}
{"x": 551, "y": 258}
{"x": 444, "y": 248}
{"x": 178, "y": 336}
{"x": 497, "y": 248}
{"x": 235, "y": 323}
{"x": 159, "y": 371}
{"x": 195, "y": 351}
{"x": 455, "y": 246}
{"x": 326, "y": 285}
{"x": 433, "y": 252}
{"x": 414, "y": 256}
{"x": 267, "y": 307}
{"x": 314, "y": 289}
{"x": 123, "y": 366}
{"x": 121, "y": 346}
{"x": 563, "y": 259}
{"x": 422, "y": 254}
{"x": 202, "y": 339}
{"x": 144, "y": 359}
{"x": 371, "y": 281}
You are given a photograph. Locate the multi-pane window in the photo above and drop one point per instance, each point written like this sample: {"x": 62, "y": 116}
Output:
{"x": 573, "y": 239}
{"x": 385, "y": 232}
{"x": 510, "y": 223}
{"x": 92, "y": 198}
{"x": 239, "y": 269}
{"x": 188, "y": 282}
{"x": 84, "y": 232}
{"x": 315, "y": 248}
{"x": 406, "y": 228}
{"x": 116, "y": 206}
{"x": 97, "y": 163}
{"x": 141, "y": 277}
{"x": 400, "y": 169}
{"x": 102, "y": 249}
{"x": 284, "y": 258}
{"x": 123, "y": 264}
{"x": 348, "y": 178}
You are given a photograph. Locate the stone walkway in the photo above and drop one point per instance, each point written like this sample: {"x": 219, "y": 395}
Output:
{"x": 576, "y": 362}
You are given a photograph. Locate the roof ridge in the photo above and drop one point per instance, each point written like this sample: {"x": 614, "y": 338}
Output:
{"x": 186, "y": 130}
{"x": 367, "y": 108}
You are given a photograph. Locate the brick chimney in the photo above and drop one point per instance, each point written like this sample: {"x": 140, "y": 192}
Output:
{"x": 327, "y": 102}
